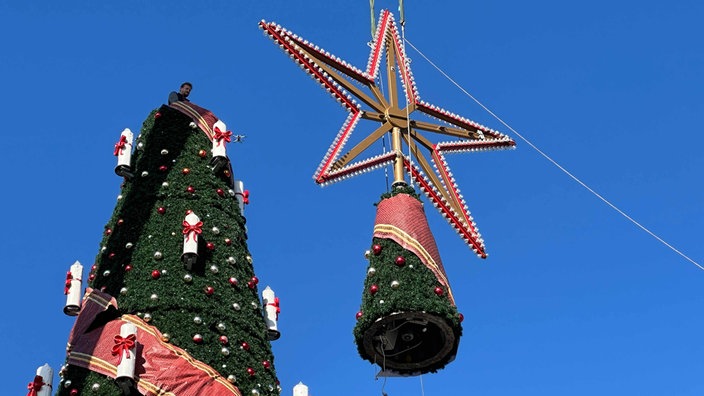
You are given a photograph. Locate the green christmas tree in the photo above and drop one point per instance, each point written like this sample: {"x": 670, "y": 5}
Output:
{"x": 408, "y": 323}
{"x": 199, "y": 318}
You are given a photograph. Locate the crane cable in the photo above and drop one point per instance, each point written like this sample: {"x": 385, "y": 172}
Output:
{"x": 560, "y": 167}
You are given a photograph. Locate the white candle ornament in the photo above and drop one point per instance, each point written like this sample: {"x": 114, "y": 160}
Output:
{"x": 126, "y": 348}
{"x": 123, "y": 152}
{"x": 300, "y": 390}
{"x": 41, "y": 386}
{"x": 192, "y": 226}
{"x": 271, "y": 310}
{"x": 241, "y": 194}
{"x": 72, "y": 289}
{"x": 221, "y": 137}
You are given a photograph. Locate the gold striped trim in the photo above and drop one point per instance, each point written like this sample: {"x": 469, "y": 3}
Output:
{"x": 388, "y": 229}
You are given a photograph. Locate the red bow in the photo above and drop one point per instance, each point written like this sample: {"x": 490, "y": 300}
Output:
{"x": 35, "y": 386}
{"x": 277, "y": 306}
{"x": 120, "y": 146}
{"x": 220, "y": 136}
{"x": 123, "y": 344}
{"x": 188, "y": 228}
{"x": 67, "y": 285}
{"x": 245, "y": 197}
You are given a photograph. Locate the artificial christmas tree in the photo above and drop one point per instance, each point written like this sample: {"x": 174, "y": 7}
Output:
{"x": 173, "y": 291}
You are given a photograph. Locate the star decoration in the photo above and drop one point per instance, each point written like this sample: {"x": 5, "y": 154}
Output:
{"x": 343, "y": 82}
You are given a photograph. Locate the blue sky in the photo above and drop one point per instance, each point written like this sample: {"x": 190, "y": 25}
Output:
{"x": 573, "y": 298}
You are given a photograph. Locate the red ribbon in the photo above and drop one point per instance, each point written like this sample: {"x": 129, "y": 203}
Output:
{"x": 35, "y": 386}
{"x": 220, "y": 136}
{"x": 188, "y": 228}
{"x": 120, "y": 146}
{"x": 123, "y": 344}
{"x": 67, "y": 285}
{"x": 277, "y": 306}
{"x": 245, "y": 197}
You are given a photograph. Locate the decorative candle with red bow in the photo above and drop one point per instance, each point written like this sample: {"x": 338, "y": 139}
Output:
{"x": 271, "y": 310}
{"x": 41, "y": 385}
{"x": 192, "y": 227}
{"x": 241, "y": 194}
{"x": 123, "y": 152}
{"x": 221, "y": 136}
{"x": 72, "y": 289}
{"x": 124, "y": 350}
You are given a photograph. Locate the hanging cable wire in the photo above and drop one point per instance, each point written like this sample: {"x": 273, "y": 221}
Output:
{"x": 547, "y": 157}
{"x": 422, "y": 387}
{"x": 408, "y": 87}
{"x": 371, "y": 9}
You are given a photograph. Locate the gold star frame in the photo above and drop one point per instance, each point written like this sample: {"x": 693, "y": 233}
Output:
{"x": 343, "y": 82}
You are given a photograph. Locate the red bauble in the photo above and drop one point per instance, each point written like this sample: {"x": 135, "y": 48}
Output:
{"x": 128, "y": 268}
{"x": 202, "y": 153}
{"x": 190, "y": 189}
{"x": 120, "y": 222}
{"x": 108, "y": 231}
{"x": 233, "y": 281}
{"x": 251, "y": 285}
{"x": 358, "y": 315}
{"x": 156, "y": 274}
{"x": 161, "y": 210}
{"x": 439, "y": 291}
{"x": 157, "y": 115}
{"x": 226, "y": 173}
{"x": 461, "y": 318}
{"x": 185, "y": 171}
{"x": 228, "y": 241}
{"x": 111, "y": 255}
{"x": 197, "y": 338}
{"x": 250, "y": 371}
{"x": 220, "y": 192}
{"x": 91, "y": 277}
{"x": 209, "y": 290}
{"x": 245, "y": 346}
{"x": 373, "y": 289}
{"x": 94, "y": 267}
{"x": 223, "y": 340}
{"x": 210, "y": 246}
{"x": 376, "y": 249}
{"x": 255, "y": 280}
{"x": 266, "y": 364}
{"x": 163, "y": 168}
{"x": 400, "y": 261}
{"x": 74, "y": 392}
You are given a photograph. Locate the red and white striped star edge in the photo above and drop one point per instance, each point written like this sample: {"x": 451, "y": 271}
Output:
{"x": 343, "y": 80}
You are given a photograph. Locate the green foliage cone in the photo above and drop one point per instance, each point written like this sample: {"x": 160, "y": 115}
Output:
{"x": 403, "y": 288}
{"x": 138, "y": 230}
